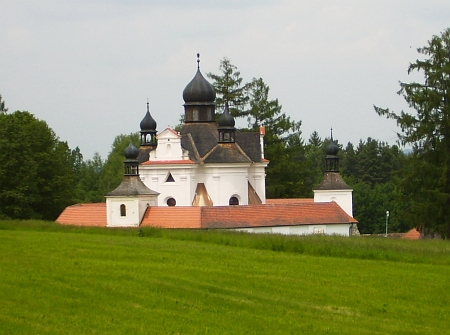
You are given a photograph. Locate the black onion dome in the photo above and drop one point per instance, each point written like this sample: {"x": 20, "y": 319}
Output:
{"x": 331, "y": 149}
{"x": 226, "y": 120}
{"x": 131, "y": 152}
{"x": 199, "y": 90}
{"x": 148, "y": 123}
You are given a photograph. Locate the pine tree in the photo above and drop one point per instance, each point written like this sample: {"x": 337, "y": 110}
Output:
{"x": 229, "y": 88}
{"x": 427, "y": 181}
{"x": 3, "y": 109}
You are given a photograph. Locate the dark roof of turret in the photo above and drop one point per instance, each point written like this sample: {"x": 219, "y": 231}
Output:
{"x": 148, "y": 123}
{"x": 199, "y": 89}
{"x": 131, "y": 152}
{"x": 130, "y": 186}
{"x": 332, "y": 181}
{"x": 226, "y": 120}
{"x": 331, "y": 149}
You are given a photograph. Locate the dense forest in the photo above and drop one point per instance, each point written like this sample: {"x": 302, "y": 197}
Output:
{"x": 40, "y": 175}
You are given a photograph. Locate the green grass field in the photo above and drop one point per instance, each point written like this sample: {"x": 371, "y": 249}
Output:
{"x": 70, "y": 280}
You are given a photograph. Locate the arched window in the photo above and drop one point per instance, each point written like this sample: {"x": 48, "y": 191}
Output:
{"x": 171, "y": 202}
{"x": 234, "y": 201}
{"x": 123, "y": 210}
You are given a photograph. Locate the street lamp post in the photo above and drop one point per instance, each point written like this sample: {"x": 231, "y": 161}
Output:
{"x": 387, "y": 220}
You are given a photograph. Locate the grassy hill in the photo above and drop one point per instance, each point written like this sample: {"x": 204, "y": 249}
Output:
{"x": 70, "y": 280}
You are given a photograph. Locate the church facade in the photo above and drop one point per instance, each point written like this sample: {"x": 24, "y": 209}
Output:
{"x": 211, "y": 175}
{"x": 206, "y": 163}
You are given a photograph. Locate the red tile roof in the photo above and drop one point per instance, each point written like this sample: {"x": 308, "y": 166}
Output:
{"x": 84, "y": 215}
{"x": 413, "y": 234}
{"x": 179, "y": 161}
{"x": 172, "y": 131}
{"x": 173, "y": 217}
{"x": 247, "y": 216}
{"x": 289, "y": 201}
{"x": 274, "y": 215}
{"x": 283, "y": 214}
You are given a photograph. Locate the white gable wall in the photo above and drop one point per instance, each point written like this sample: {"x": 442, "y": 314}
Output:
{"x": 343, "y": 198}
{"x": 169, "y": 147}
{"x": 182, "y": 189}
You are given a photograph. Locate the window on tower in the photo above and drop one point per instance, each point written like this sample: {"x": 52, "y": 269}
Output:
{"x": 123, "y": 210}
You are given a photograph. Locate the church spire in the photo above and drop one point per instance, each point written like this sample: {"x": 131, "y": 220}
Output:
{"x": 148, "y": 130}
{"x": 131, "y": 163}
{"x": 226, "y": 126}
{"x": 331, "y": 160}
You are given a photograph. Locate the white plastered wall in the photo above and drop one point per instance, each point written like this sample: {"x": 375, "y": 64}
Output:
{"x": 135, "y": 208}
{"x": 181, "y": 189}
{"x": 335, "y": 229}
{"x": 225, "y": 181}
{"x": 169, "y": 147}
{"x": 343, "y": 198}
{"x": 257, "y": 177}
{"x": 222, "y": 181}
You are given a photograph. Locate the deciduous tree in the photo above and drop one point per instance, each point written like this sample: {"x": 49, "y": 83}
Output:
{"x": 113, "y": 169}
{"x": 36, "y": 170}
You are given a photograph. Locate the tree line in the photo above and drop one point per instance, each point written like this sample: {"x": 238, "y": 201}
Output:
{"x": 40, "y": 175}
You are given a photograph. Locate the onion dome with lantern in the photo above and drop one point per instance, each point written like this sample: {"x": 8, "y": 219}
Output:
{"x": 148, "y": 130}
{"x": 332, "y": 160}
{"x": 199, "y": 97}
{"x": 226, "y": 128}
{"x": 332, "y": 180}
{"x": 131, "y": 183}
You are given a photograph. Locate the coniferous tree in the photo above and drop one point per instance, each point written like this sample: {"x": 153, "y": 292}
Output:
{"x": 229, "y": 88}
{"x": 3, "y": 109}
{"x": 315, "y": 155}
{"x": 427, "y": 180}
{"x": 283, "y": 146}
{"x": 89, "y": 187}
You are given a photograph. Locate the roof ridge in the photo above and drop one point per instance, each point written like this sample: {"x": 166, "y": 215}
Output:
{"x": 194, "y": 147}
{"x": 210, "y": 152}
{"x": 242, "y": 151}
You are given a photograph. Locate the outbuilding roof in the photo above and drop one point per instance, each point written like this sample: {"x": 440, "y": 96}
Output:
{"x": 247, "y": 216}
{"x": 84, "y": 215}
{"x": 224, "y": 217}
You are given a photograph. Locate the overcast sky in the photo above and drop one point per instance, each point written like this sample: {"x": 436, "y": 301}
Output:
{"x": 87, "y": 67}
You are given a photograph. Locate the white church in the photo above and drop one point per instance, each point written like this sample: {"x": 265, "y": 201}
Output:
{"x": 210, "y": 175}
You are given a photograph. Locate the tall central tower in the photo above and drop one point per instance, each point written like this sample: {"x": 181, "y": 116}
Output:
{"x": 199, "y": 97}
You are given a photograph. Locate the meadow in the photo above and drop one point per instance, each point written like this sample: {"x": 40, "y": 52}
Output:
{"x": 72, "y": 280}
